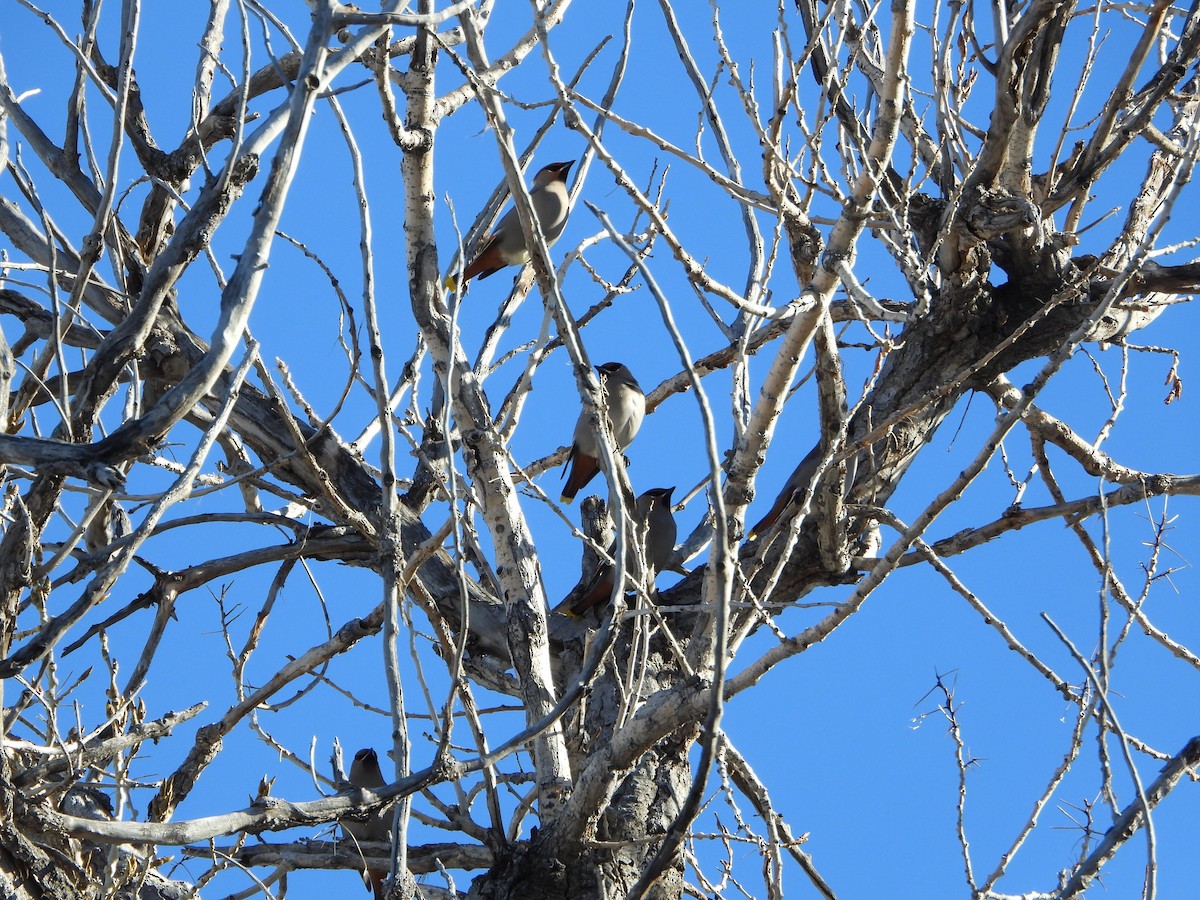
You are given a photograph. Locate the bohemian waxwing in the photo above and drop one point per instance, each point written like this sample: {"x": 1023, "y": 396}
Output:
{"x": 505, "y": 245}
{"x": 625, "y": 406}
{"x": 653, "y": 522}
{"x": 795, "y": 486}
{"x": 365, "y": 773}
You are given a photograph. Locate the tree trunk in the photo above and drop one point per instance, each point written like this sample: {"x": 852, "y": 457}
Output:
{"x": 623, "y": 837}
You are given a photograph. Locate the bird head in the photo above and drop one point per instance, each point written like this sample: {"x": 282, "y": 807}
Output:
{"x": 653, "y": 497}
{"x": 365, "y": 771}
{"x": 618, "y": 374}
{"x": 608, "y": 369}
{"x": 553, "y": 172}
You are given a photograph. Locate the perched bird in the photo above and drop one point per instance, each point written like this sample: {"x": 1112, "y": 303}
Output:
{"x": 365, "y": 773}
{"x": 505, "y": 246}
{"x": 625, "y": 407}
{"x": 795, "y": 486}
{"x": 655, "y": 524}
{"x": 110, "y": 523}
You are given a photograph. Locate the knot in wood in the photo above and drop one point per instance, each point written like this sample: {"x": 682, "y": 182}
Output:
{"x": 1159, "y": 484}
{"x": 448, "y": 770}
{"x": 997, "y": 212}
{"x": 831, "y": 258}
{"x": 244, "y": 170}
{"x": 740, "y": 493}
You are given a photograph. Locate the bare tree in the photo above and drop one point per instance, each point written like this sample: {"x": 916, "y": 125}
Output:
{"x": 910, "y": 205}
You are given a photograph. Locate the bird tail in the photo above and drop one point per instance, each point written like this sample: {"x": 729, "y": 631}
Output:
{"x": 757, "y": 530}
{"x": 377, "y": 883}
{"x": 770, "y": 518}
{"x": 565, "y": 608}
{"x": 583, "y": 468}
{"x": 450, "y": 283}
{"x": 599, "y": 591}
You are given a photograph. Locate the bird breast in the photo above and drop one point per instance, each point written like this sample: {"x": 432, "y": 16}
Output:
{"x": 627, "y": 408}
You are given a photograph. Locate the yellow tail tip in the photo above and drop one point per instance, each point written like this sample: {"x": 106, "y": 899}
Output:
{"x": 565, "y": 499}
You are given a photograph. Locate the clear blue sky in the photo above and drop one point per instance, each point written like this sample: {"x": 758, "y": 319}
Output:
{"x": 842, "y": 734}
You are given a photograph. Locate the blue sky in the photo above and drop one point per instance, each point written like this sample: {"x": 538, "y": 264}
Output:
{"x": 839, "y": 734}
